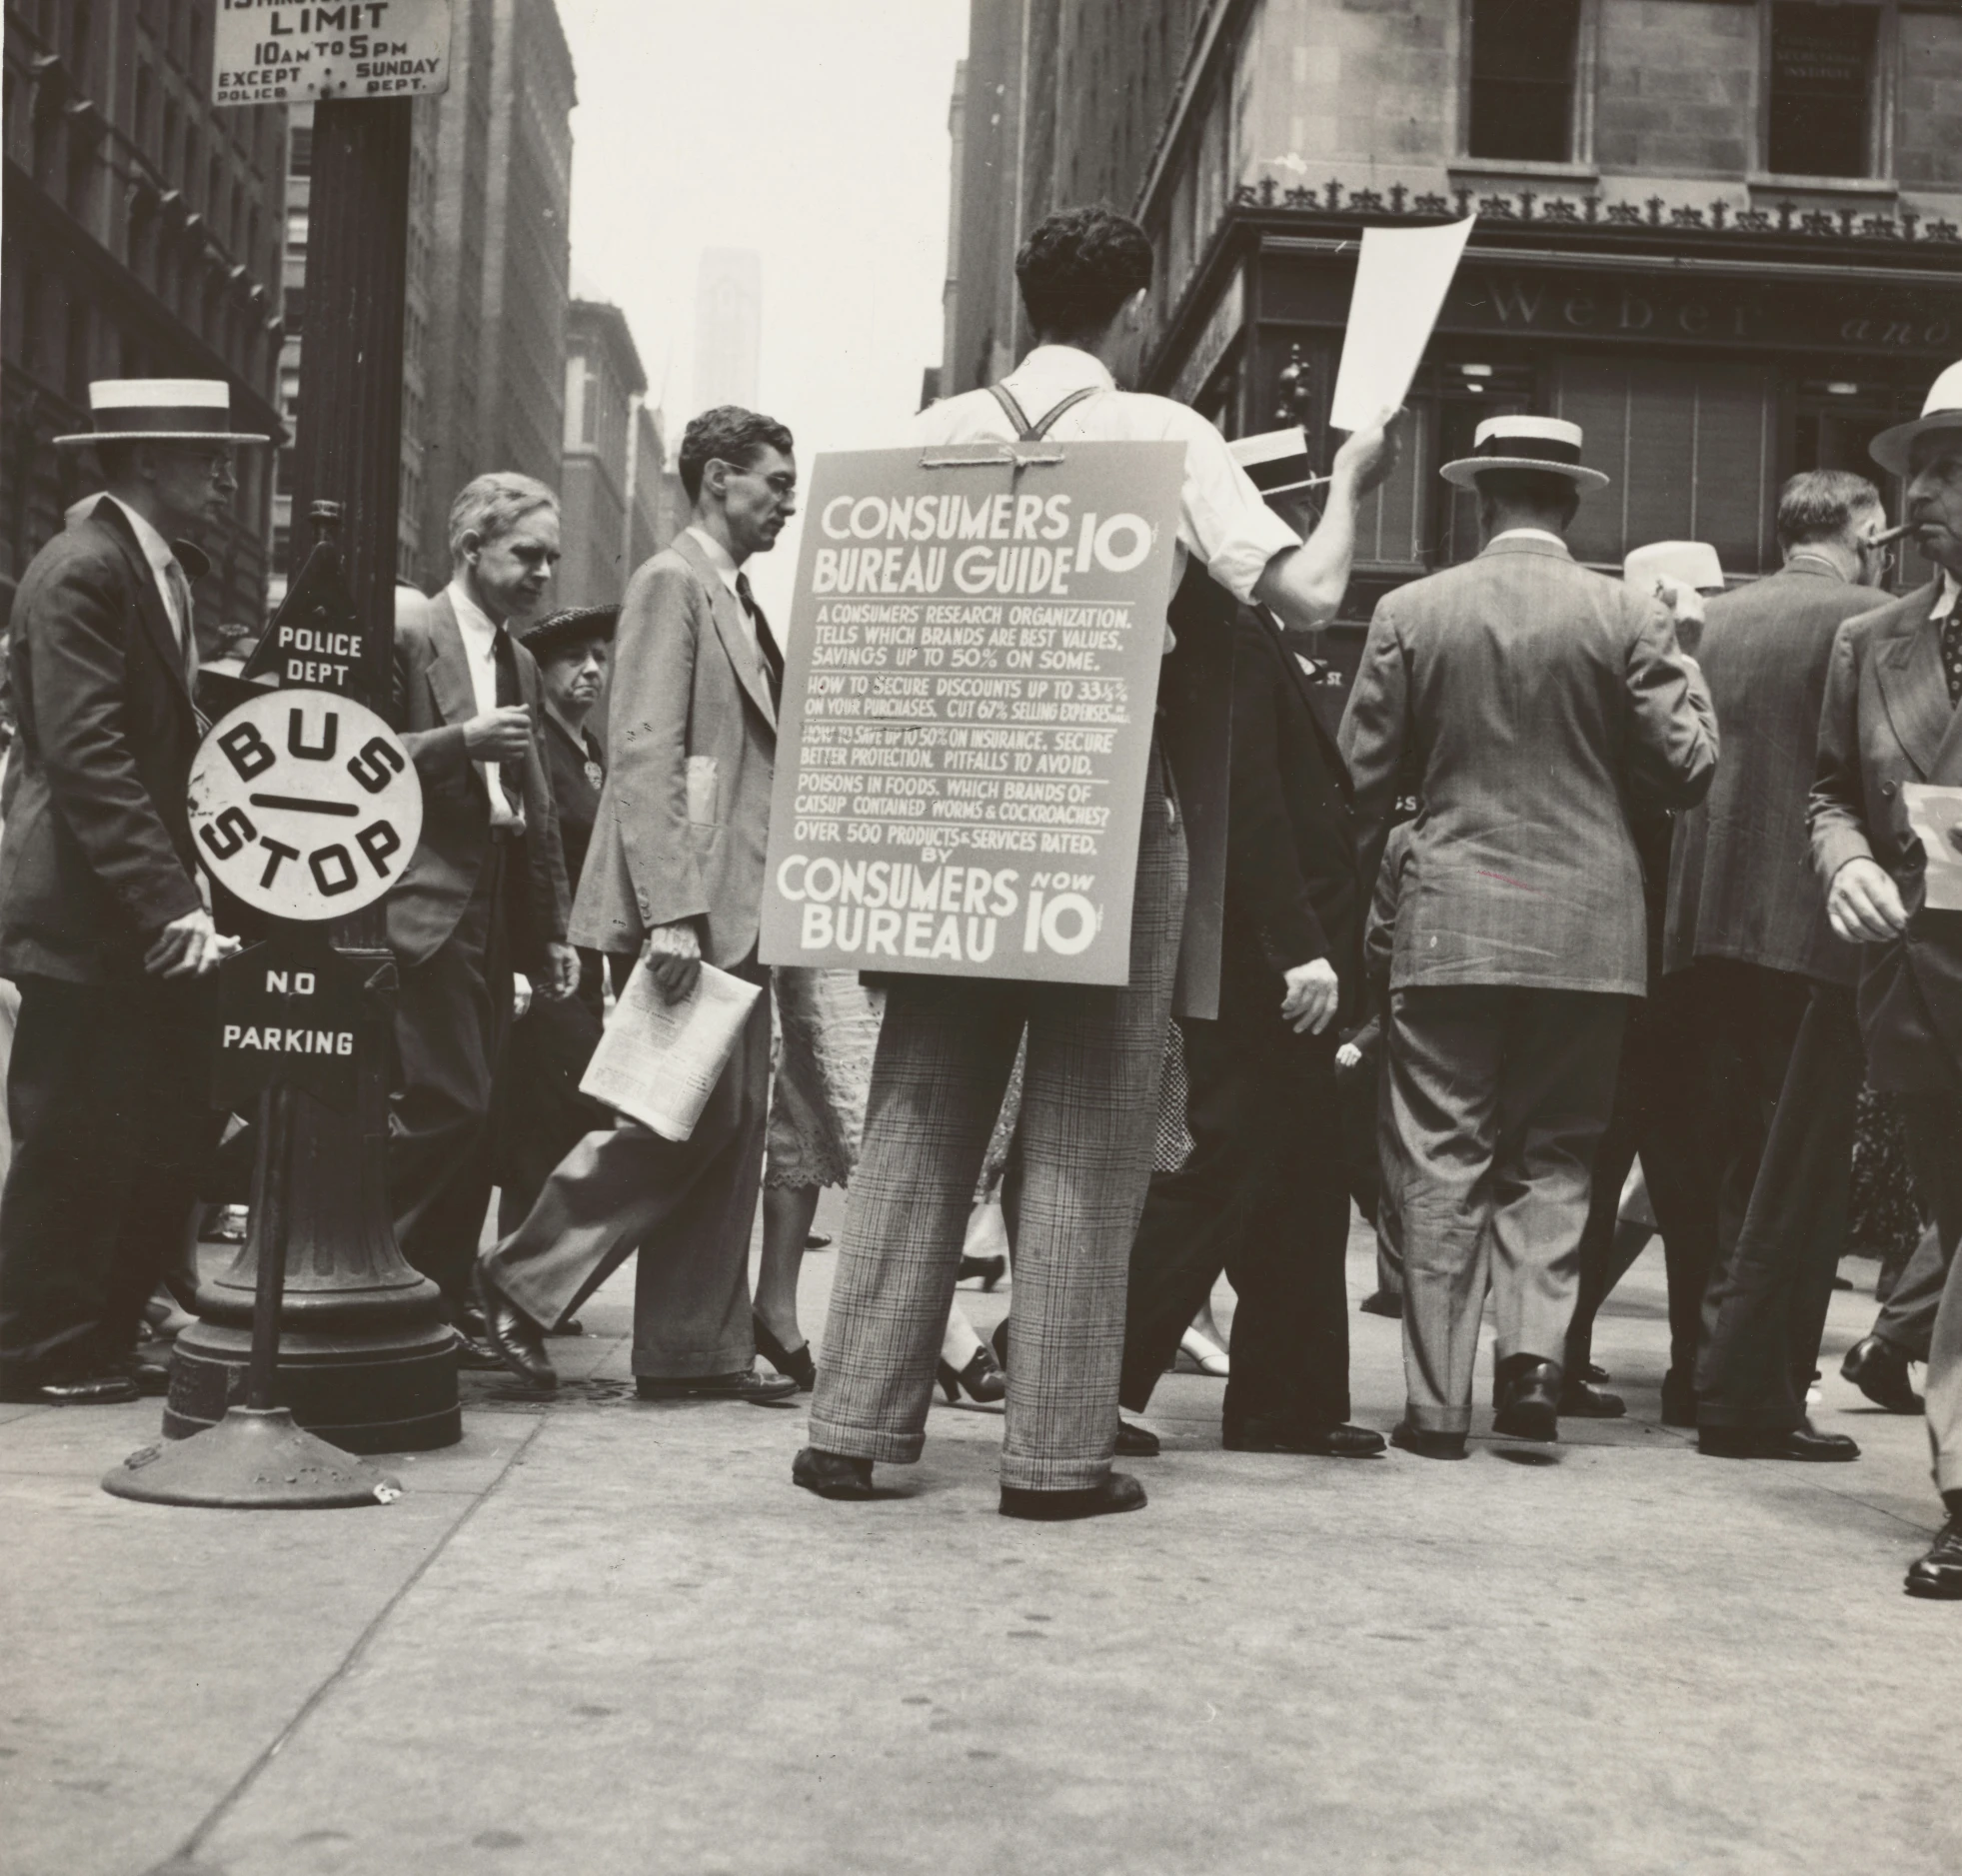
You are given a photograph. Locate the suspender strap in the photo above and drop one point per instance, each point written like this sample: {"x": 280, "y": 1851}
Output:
{"x": 1026, "y": 432}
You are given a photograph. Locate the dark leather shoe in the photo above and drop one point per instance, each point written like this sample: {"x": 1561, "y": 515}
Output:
{"x": 1582, "y": 1400}
{"x": 1528, "y": 1399}
{"x": 991, "y": 1270}
{"x": 1775, "y": 1443}
{"x": 1383, "y": 1304}
{"x": 981, "y": 1379}
{"x": 513, "y": 1338}
{"x": 1134, "y": 1441}
{"x": 999, "y": 1341}
{"x": 1938, "y": 1576}
{"x": 1118, "y": 1492}
{"x": 1879, "y": 1370}
{"x": 831, "y": 1474}
{"x": 1426, "y": 1444}
{"x": 1678, "y": 1402}
{"x": 1337, "y": 1441}
{"x": 1597, "y": 1373}
{"x": 151, "y": 1377}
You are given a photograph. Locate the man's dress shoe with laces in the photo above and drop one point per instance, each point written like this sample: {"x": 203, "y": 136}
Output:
{"x": 1118, "y": 1492}
{"x": 1426, "y": 1443}
{"x": 1938, "y": 1576}
{"x": 1582, "y": 1400}
{"x": 831, "y": 1474}
{"x": 1258, "y": 1433}
{"x": 1775, "y": 1443}
{"x": 1879, "y": 1370}
{"x": 1528, "y": 1399}
{"x": 517, "y": 1341}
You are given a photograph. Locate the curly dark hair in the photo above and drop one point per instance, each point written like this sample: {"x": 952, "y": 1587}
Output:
{"x": 1078, "y": 267}
{"x": 727, "y": 434}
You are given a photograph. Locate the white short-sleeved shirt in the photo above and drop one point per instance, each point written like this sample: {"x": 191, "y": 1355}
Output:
{"x": 1222, "y": 516}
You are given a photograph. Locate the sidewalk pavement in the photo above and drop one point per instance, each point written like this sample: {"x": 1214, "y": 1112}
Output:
{"x": 607, "y": 1636}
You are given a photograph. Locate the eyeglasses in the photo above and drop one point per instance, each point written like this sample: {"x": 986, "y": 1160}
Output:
{"x": 782, "y": 483}
{"x": 1884, "y": 555}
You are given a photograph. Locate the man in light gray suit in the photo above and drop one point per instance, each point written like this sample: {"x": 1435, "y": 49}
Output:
{"x": 1538, "y": 705}
{"x": 675, "y": 868}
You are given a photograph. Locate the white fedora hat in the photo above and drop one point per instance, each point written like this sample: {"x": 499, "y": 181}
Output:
{"x": 160, "y": 409}
{"x": 1694, "y": 563}
{"x": 1549, "y": 443}
{"x": 1941, "y": 410}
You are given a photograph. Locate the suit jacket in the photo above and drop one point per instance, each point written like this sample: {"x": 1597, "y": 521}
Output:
{"x": 1295, "y": 888}
{"x": 97, "y": 856}
{"x": 433, "y": 702}
{"x": 1741, "y": 880}
{"x": 691, "y": 747}
{"x": 1542, "y": 706}
{"x": 1887, "y": 721}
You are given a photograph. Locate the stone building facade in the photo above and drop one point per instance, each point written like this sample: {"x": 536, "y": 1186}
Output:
{"x": 604, "y": 387}
{"x": 1725, "y": 236}
{"x": 143, "y": 235}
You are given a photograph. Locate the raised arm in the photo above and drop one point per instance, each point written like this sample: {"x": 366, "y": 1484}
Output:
{"x": 1673, "y": 754}
{"x": 1306, "y": 585}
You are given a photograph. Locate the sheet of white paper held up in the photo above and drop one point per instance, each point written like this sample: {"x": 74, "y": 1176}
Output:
{"x": 1401, "y": 277}
{"x": 1935, "y": 813}
{"x": 659, "y": 1063}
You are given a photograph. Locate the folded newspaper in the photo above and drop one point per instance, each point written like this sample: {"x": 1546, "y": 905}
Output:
{"x": 659, "y": 1063}
{"x": 1935, "y": 813}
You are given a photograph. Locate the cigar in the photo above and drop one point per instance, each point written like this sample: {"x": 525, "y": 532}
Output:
{"x": 1889, "y": 534}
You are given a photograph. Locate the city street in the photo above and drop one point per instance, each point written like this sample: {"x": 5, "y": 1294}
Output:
{"x": 604, "y": 1636}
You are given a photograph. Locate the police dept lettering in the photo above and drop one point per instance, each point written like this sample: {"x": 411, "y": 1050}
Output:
{"x": 973, "y": 671}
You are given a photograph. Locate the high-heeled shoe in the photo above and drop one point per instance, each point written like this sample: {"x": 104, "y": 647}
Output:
{"x": 795, "y": 1362}
{"x": 981, "y": 1378}
{"x": 991, "y": 1270}
{"x": 1205, "y": 1354}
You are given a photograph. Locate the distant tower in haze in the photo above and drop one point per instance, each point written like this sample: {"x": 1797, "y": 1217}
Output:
{"x": 728, "y": 327}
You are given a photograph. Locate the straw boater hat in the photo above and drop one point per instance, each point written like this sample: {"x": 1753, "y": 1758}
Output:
{"x": 1941, "y": 411}
{"x": 559, "y": 632}
{"x": 1694, "y": 563}
{"x": 160, "y": 409}
{"x": 1545, "y": 443}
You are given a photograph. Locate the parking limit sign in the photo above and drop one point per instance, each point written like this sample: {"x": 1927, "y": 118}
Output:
{"x": 285, "y": 52}
{"x": 305, "y": 804}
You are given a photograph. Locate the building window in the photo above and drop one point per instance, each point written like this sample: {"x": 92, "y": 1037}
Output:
{"x": 1522, "y": 79}
{"x": 1822, "y": 79}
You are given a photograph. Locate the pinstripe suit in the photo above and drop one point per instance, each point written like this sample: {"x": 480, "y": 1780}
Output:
{"x": 1539, "y": 705}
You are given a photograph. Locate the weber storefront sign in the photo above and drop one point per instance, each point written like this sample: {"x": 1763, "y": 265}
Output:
{"x": 275, "y": 52}
{"x": 968, "y": 706}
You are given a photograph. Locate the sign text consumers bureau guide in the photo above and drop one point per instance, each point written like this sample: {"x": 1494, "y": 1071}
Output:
{"x": 972, "y": 675}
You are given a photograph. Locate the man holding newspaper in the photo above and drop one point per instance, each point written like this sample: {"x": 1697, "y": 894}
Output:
{"x": 676, "y": 870}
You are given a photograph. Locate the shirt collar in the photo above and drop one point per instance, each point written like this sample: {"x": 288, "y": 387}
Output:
{"x": 156, "y": 550}
{"x": 719, "y": 556}
{"x": 472, "y": 617}
{"x": 1063, "y": 367}
{"x": 1525, "y": 534}
{"x": 1946, "y": 598}
{"x": 1803, "y": 563}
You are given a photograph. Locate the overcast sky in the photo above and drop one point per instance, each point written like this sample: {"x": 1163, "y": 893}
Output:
{"x": 815, "y": 132}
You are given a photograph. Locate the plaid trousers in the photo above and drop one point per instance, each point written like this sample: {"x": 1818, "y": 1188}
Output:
{"x": 1089, "y": 1117}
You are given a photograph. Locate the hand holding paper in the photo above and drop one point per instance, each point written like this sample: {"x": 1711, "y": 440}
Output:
{"x": 658, "y": 1062}
{"x": 1935, "y": 814}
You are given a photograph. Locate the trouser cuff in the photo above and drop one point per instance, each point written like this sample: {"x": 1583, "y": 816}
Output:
{"x": 1438, "y": 1419}
{"x": 880, "y": 1445}
{"x": 1025, "y": 1474}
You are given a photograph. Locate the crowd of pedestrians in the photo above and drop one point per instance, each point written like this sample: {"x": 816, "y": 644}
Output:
{"x": 1598, "y": 872}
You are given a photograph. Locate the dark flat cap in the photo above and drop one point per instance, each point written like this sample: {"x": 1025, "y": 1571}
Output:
{"x": 560, "y": 631}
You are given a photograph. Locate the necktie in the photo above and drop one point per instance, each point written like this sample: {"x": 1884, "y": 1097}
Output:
{"x": 1952, "y": 656}
{"x": 179, "y": 593}
{"x": 510, "y": 773}
{"x": 767, "y": 655}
